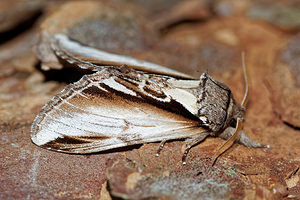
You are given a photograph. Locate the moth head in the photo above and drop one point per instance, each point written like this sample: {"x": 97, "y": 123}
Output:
{"x": 237, "y": 117}
{"x": 238, "y": 111}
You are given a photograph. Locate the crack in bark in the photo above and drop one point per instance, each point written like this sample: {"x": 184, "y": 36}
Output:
{"x": 286, "y": 123}
{"x": 296, "y": 128}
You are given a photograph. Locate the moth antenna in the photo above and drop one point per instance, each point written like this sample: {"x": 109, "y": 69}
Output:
{"x": 229, "y": 142}
{"x": 245, "y": 99}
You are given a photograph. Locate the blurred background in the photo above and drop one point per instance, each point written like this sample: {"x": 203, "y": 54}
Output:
{"x": 191, "y": 36}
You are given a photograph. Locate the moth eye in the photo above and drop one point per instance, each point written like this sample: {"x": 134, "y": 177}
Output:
{"x": 232, "y": 123}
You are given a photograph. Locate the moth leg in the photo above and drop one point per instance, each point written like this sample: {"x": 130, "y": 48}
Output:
{"x": 161, "y": 146}
{"x": 242, "y": 139}
{"x": 190, "y": 142}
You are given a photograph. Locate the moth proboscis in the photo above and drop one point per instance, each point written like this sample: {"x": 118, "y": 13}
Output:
{"x": 119, "y": 106}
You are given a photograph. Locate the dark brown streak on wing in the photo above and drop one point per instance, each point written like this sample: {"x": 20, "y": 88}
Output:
{"x": 121, "y": 94}
{"x": 95, "y": 91}
{"x": 64, "y": 140}
{"x": 94, "y": 137}
{"x": 154, "y": 93}
{"x": 177, "y": 108}
{"x": 59, "y": 143}
{"x": 128, "y": 81}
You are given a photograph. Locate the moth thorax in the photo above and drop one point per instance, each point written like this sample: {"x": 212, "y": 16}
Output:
{"x": 215, "y": 102}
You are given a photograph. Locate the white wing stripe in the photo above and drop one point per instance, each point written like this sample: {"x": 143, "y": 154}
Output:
{"x": 117, "y": 86}
{"x": 80, "y": 93}
{"x": 79, "y": 125}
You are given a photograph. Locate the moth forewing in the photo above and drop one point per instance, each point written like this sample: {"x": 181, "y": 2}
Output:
{"x": 97, "y": 114}
{"x": 72, "y": 51}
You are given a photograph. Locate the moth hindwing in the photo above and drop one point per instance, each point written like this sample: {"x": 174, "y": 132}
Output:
{"x": 117, "y": 107}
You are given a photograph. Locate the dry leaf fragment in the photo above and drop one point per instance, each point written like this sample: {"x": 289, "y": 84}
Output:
{"x": 132, "y": 180}
{"x": 104, "y": 194}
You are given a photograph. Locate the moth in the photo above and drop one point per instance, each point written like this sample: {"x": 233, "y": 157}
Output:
{"x": 129, "y": 101}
